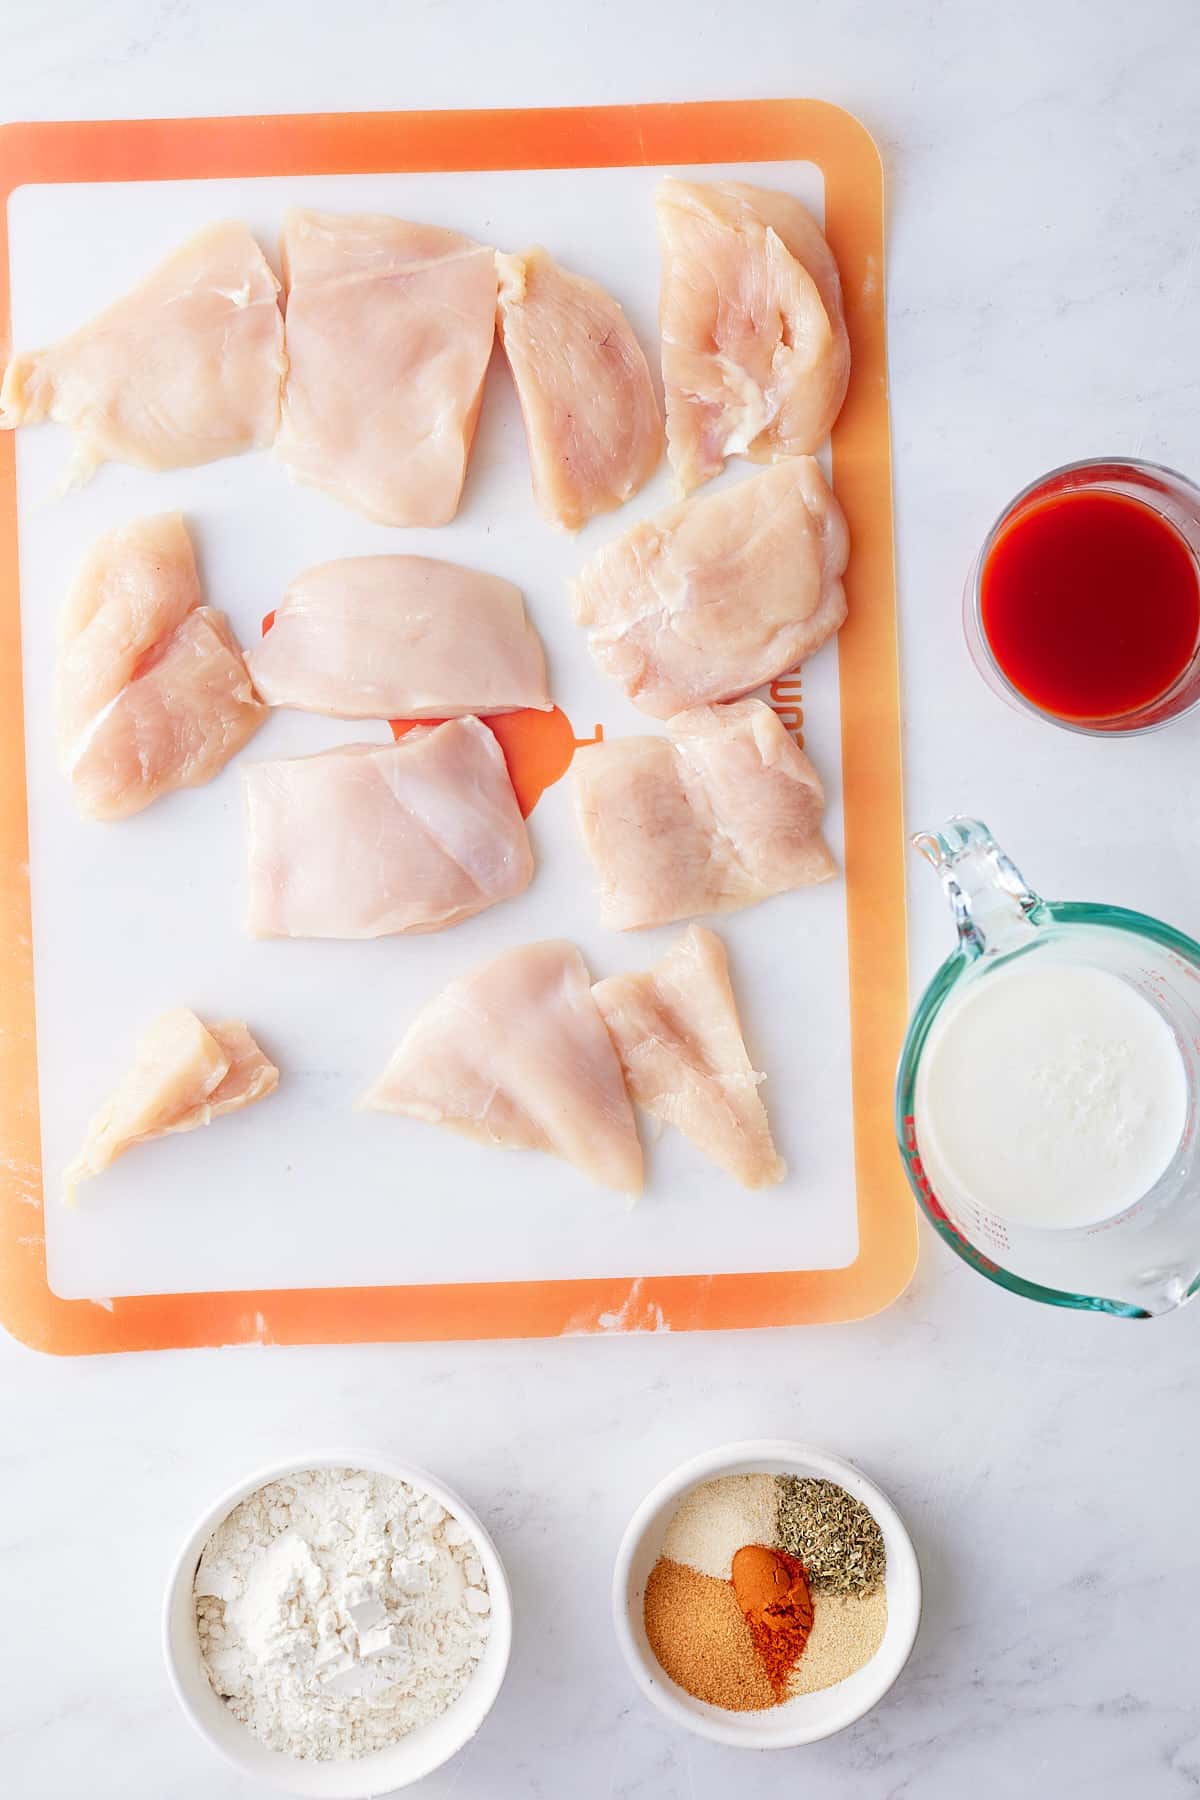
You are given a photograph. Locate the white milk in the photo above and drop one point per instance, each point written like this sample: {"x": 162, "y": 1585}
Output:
{"x": 1051, "y": 1094}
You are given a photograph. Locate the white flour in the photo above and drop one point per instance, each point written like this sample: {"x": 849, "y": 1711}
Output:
{"x": 338, "y": 1610}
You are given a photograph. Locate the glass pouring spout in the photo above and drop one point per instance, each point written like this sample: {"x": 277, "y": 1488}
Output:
{"x": 995, "y": 910}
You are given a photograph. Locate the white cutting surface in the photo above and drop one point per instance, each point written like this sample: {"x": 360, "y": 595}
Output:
{"x": 133, "y": 917}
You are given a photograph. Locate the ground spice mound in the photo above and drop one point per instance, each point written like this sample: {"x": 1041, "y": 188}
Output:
{"x": 847, "y": 1630}
{"x": 696, "y": 1630}
{"x": 715, "y": 1519}
{"x": 772, "y": 1591}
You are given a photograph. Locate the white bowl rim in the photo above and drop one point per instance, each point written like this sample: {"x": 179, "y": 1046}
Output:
{"x": 374, "y": 1462}
{"x": 744, "y": 1457}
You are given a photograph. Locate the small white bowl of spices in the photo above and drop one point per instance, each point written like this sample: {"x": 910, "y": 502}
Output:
{"x": 766, "y": 1595}
{"x": 338, "y": 1627}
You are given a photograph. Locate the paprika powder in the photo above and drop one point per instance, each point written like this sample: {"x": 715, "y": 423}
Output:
{"x": 772, "y": 1590}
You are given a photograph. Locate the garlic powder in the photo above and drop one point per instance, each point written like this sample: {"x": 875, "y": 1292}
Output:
{"x": 716, "y": 1519}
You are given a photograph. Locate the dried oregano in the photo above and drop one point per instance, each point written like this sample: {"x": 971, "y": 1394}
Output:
{"x": 832, "y": 1534}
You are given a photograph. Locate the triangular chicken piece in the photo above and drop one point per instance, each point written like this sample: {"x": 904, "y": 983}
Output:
{"x": 516, "y": 1054}
{"x": 183, "y": 369}
{"x": 151, "y": 693}
{"x": 136, "y": 585}
{"x": 677, "y": 1032}
{"x": 591, "y": 415}
{"x": 183, "y": 1074}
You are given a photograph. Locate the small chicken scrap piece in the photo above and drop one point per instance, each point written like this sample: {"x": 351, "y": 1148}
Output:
{"x": 724, "y": 812}
{"x": 516, "y": 1054}
{"x": 183, "y": 1074}
{"x": 400, "y": 637}
{"x": 371, "y": 839}
{"x": 389, "y": 333}
{"x": 184, "y": 369}
{"x": 716, "y": 596}
{"x": 677, "y": 1032}
{"x": 151, "y": 693}
{"x": 592, "y": 420}
{"x": 755, "y": 355}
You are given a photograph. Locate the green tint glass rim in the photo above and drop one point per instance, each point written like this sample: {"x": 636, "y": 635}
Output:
{"x": 1044, "y": 913}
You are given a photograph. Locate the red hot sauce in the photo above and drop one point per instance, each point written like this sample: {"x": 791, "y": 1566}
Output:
{"x": 1090, "y": 603}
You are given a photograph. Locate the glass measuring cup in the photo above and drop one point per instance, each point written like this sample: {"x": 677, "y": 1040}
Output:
{"x": 1145, "y": 1259}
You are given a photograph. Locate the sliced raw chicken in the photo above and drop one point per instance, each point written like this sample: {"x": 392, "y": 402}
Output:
{"x": 400, "y": 637}
{"x": 754, "y": 348}
{"x": 375, "y": 838}
{"x": 715, "y": 596}
{"x": 188, "y": 710}
{"x": 250, "y": 1076}
{"x": 724, "y": 812}
{"x": 183, "y": 369}
{"x": 389, "y": 332}
{"x": 135, "y": 587}
{"x": 677, "y": 1032}
{"x": 516, "y": 1054}
{"x": 151, "y": 693}
{"x": 591, "y": 414}
{"x": 183, "y": 1074}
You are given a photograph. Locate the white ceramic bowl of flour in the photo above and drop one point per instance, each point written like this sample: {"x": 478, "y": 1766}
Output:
{"x": 808, "y": 1717}
{"x": 379, "y": 1772}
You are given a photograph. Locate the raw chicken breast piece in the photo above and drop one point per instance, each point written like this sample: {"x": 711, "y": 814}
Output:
{"x": 716, "y": 596}
{"x": 591, "y": 415}
{"x": 724, "y": 812}
{"x": 677, "y": 1032}
{"x": 755, "y": 355}
{"x": 516, "y": 1054}
{"x": 151, "y": 693}
{"x": 377, "y": 838}
{"x": 249, "y": 1077}
{"x": 400, "y": 637}
{"x": 183, "y": 1074}
{"x": 184, "y": 369}
{"x": 188, "y": 710}
{"x": 134, "y": 588}
{"x": 389, "y": 332}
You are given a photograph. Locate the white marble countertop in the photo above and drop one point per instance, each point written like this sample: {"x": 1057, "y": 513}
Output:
{"x": 1045, "y": 215}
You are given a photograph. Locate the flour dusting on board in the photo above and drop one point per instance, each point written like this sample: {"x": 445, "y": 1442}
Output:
{"x": 633, "y": 1314}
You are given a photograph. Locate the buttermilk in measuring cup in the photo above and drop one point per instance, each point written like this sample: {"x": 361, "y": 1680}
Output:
{"x": 1051, "y": 1093}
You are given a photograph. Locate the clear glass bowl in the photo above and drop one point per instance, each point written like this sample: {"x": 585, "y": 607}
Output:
{"x": 1166, "y": 492}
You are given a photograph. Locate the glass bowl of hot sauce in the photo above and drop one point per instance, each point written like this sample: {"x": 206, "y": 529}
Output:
{"x": 1083, "y": 607}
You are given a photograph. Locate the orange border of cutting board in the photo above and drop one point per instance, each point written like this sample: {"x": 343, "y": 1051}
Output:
{"x": 585, "y": 137}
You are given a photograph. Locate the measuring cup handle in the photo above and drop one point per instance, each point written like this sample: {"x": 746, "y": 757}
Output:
{"x": 995, "y": 909}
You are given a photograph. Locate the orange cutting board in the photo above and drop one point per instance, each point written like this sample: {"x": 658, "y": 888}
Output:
{"x": 671, "y": 136}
